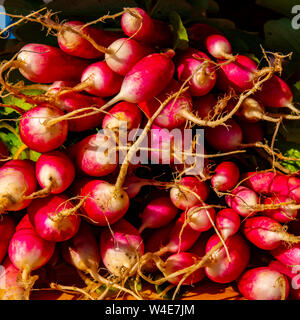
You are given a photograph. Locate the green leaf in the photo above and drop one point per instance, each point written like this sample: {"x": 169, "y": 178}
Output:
{"x": 181, "y": 37}
{"x": 293, "y": 166}
{"x": 282, "y": 7}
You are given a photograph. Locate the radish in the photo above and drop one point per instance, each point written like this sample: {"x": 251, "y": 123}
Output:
{"x": 266, "y": 233}
{"x": 7, "y": 229}
{"x": 96, "y": 155}
{"x": 124, "y": 53}
{"x": 227, "y": 137}
{"x": 238, "y": 74}
{"x": 222, "y": 270}
{"x": 158, "y": 213}
{"x": 35, "y": 132}
{"x": 75, "y": 45}
{"x": 41, "y": 63}
{"x": 120, "y": 247}
{"x": 10, "y": 288}
{"x": 227, "y": 222}
{"x": 218, "y": 46}
{"x": 252, "y": 132}
{"x": 250, "y": 110}
{"x": 137, "y": 24}
{"x": 204, "y": 105}
{"x": 17, "y": 181}
{"x": 263, "y": 283}
{"x": 123, "y": 111}
{"x": 226, "y": 176}
{"x": 201, "y": 219}
{"x": 195, "y": 66}
{"x": 103, "y": 204}
{"x": 180, "y": 261}
{"x": 54, "y": 218}
{"x": 188, "y": 192}
{"x": 283, "y": 214}
{"x": 55, "y": 172}
{"x": 243, "y": 200}
{"x": 288, "y": 255}
{"x": 4, "y": 153}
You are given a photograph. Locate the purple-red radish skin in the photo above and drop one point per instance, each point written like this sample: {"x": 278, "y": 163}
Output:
{"x": 198, "y": 218}
{"x": 226, "y": 176}
{"x": 288, "y": 255}
{"x": 227, "y": 222}
{"x": 252, "y": 131}
{"x": 218, "y": 46}
{"x": 7, "y": 229}
{"x": 204, "y": 105}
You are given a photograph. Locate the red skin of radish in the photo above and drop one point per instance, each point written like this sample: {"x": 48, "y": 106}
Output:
{"x": 217, "y": 45}
{"x": 41, "y": 213}
{"x": 227, "y": 222}
{"x": 237, "y": 74}
{"x": 77, "y": 185}
{"x": 198, "y": 247}
{"x": 252, "y": 131}
{"x": 288, "y": 255}
{"x": 263, "y": 283}
{"x": 28, "y": 251}
{"x": 179, "y": 261}
{"x": 82, "y": 250}
{"x": 158, "y": 213}
{"x": 275, "y": 93}
{"x": 283, "y": 214}
{"x": 185, "y": 200}
{"x": 34, "y": 132}
{"x": 119, "y": 251}
{"x": 75, "y": 45}
{"x": 123, "y": 111}
{"x": 101, "y": 206}
{"x": 91, "y": 157}
{"x": 226, "y": 176}
{"x": 55, "y": 167}
{"x": 169, "y": 117}
{"x": 103, "y": 81}
{"x": 225, "y": 139}
{"x": 41, "y": 63}
{"x": 126, "y": 53}
{"x": 198, "y": 218}
{"x": 242, "y": 201}
{"x": 147, "y": 30}
{"x": 4, "y": 153}
{"x": 204, "y": 105}
{"x": 17, "y": 178}
{"x": 221, "y": 270}
{"x": 7, "y": 229}
{"x": 203, "y": 80}
{"x": 264, "y": 232}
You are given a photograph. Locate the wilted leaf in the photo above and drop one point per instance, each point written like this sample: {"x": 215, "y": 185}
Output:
{"x": 181, "y": 36}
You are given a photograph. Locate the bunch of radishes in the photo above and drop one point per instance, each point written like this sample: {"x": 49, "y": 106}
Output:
{"x": 83, "y": 207}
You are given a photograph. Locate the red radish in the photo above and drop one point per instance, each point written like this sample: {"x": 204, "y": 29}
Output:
{"x": 266, "y": 233}
{"x": 184, "y": 199}
{"x": 4, "y": 153}
{"x": 263, "y": 283}
{"x": 218, "y": 46}
{"x": 41, "y": 63}
{"x": 124, "y": 53}
{"x": 250, "y": 110}
{"x": 137, "y": 24}
{"x": 56, "y": 85}
{"x": 158, "y": 213}
{"x": 204, "y": 105}
{"x": 123, "y": 111}
{"x": 54, "y": 171}
{"x": 283, "y": 214}
{"x": 288, "y": 255}
{"x": 35, "y": 132}
{"x": 196, "y": 64}
{"x": 10, "y": 287}
{"x": 226, "y": 137}
{"x": 252, "y": 131}
{"x": 181, "y": 237}
{"x": 227, "y": 222}
{"x": 180, "y": 261}
{"x": 17, "y": 180}
{"x": 226, "y": 176}
{"x": 220, "y": 269}
{"x": 96, "y": 155}
{"x": 198, "y": 32}
{"x": 201, "y": 219}
{"x": 75, "y": 45}
{"x": 24, "y": 223}
{"x": 75, "y": 189}
{"x": 238, "y": 74}
{"x": 243, "y": 201}
{"x": 7, "y": 229}
{"x": 54, "y": 218}
{"x": 198, "y": 247}
{"x": 102, "y": 205}
{"x": 99, "y": 80}
{"x": 120, "y": 247}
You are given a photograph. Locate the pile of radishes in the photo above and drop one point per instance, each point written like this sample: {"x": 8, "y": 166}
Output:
{"x": 114, "y": 220}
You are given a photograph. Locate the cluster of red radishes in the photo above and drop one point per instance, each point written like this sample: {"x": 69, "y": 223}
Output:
{"x": 61, "y": 204}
